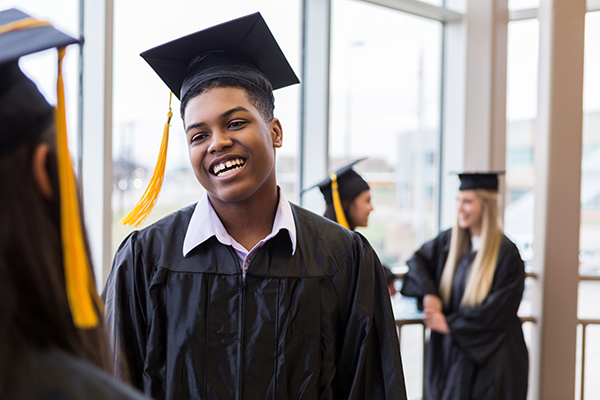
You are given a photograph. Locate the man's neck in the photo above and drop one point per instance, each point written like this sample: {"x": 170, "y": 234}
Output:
{"x": 250, "y": 221}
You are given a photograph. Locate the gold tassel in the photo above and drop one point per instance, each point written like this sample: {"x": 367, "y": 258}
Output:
{"x": 143, "y": 208}
{"x": 337, "y": 203}
{"x": 80, "y": 286}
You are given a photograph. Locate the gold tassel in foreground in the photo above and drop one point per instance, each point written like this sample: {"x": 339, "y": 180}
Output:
{"x": 80, "y": 286}
{"x": 143, "y": 208}
{"x": 337, "y": 203}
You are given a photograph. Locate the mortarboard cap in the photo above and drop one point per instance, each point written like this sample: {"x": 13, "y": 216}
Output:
{"x": 343, "y": 184}
{"x": 350, "y": 184}
{"x": 479, "y": 180}
{"x": 24, "y": 116}
{"x": 24, "y": 112}
{"x": 243, "y": 48}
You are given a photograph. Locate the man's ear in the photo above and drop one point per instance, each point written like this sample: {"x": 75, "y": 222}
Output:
{"x": 276, "y": 133}
{"x": 40, "y": 173}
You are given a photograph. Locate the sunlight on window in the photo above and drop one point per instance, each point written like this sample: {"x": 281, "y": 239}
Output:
{"x": 385, "y": 97}
{"x": 521, "y": 113}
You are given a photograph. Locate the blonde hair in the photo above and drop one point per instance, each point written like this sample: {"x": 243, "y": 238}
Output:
{"x": 481, "y": 276}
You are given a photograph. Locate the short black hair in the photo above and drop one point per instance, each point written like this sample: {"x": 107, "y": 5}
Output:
{"x": 257, "y": 97}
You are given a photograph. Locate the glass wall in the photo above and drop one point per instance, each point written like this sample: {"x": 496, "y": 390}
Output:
{"x": 521, "y": 113}
{"x": 141, "y": 98}
{"x": 523, "y": 4}
{"x": 589, "y": 241}
{"x": 590, "y": 179}
{"x": 385, "y": 105}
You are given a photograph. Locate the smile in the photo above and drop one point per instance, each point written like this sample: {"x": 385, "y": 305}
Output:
{"x": 228, "y": 167}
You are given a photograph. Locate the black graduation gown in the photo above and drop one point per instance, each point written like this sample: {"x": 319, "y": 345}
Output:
{"x": 54, "y": 374}
{"x": 315, "y": 325}
{"x": 484, "y": 356}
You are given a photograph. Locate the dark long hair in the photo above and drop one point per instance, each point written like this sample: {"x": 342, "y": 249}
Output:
{"x": 34, "y": 311}
{"x": 330, "y": 212}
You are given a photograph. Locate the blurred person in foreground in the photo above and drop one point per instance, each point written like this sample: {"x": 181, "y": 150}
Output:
{"x": 52, "y": 344}
{"x": 244, "y": 295}
{"x": 469, "y": 282}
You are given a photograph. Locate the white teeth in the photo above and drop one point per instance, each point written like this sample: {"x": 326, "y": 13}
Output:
{"x": 236, "y": 164}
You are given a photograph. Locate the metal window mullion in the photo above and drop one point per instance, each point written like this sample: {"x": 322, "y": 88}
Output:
{"x": 96, "y": 130}
{"x": 420, "y": 9}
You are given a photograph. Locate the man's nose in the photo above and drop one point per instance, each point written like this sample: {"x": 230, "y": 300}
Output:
{"x": 219, "y": 140}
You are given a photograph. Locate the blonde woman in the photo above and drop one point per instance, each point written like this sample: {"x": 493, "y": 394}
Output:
{"x": 469, "y": 282}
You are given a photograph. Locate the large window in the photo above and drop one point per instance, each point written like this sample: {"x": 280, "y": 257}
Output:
{"x": 385, "y": 105}
{"x": 141, "y": 98}
{"x": 521, "y": 113}
{"x": 589, "y": 243}
{"x": 523, "y": 4}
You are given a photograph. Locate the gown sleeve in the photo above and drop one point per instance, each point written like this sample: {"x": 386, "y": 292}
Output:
{"x": 369, "y": 366}
{"x": 125, "y": 312}
{"x": 425, "y": 268}
{"x": 479, "y": 331}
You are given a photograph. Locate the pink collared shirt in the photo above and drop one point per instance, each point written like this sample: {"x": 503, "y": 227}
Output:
{"x": 205, "y": 223}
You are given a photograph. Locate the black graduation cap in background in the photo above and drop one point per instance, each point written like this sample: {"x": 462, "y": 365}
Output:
{"x": 24, "y": 112}
{"x": 244, "y": 48}
{"x": 350, "y": 183}
{"x": 479, "y": 180}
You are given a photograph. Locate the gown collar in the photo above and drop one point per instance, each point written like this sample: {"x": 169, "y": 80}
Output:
{"x": 205, "y": 224}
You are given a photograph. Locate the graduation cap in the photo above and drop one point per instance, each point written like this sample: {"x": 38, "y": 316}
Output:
{"x": 343, "y": 184}
{"x": 479, "y": 180}
{"x": 243, "y": 48}
{"x": 24, "y": 115}
{"x": 24, "y": 112}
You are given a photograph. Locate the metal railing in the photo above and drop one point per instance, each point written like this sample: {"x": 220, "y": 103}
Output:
{"x": 583, "y": 322}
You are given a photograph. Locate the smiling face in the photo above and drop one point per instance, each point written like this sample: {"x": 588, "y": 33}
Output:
{"x": 469, "y": 209}
{"x": 360, "y": 208}
{"x": 231, "y": 146}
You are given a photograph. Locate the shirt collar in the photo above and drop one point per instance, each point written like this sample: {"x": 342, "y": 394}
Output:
{"x": 205, "y": 223}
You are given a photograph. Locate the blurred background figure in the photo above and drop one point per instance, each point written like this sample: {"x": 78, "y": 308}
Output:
{"x": 347, "y": 197}
{"x": 469, "y": 282}
{"x": 348, "y": 202}
{"x": 52, "y": 344}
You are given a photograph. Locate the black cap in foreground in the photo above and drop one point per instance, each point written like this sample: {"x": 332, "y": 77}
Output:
{"x": 479, "y": 180}
{"x": 350, "y": 183}
{"x": 24, "y": 112}
{"x": 242, "y": 48}
{"x": 24, "y": 117}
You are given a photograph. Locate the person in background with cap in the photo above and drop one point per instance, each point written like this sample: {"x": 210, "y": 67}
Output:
{"x": 52, "y": 343}
{"x": 469, "y": 282}
{"x": 348, "y": 202}
{"x": 244, "y": 295}
{"x": 347, "y": 197}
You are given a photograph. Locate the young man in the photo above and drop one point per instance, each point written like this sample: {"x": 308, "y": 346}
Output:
{"x": 244, "y": 295}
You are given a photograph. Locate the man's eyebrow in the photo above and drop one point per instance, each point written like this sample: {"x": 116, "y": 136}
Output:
{"x": 196, "y": 125}
{"x": 233, "y": 110}
{"x": 224, "y": 115}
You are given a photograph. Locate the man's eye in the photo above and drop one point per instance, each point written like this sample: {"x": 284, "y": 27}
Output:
{"x": 198, "y": 137}
{"x": 236, "y": 124}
